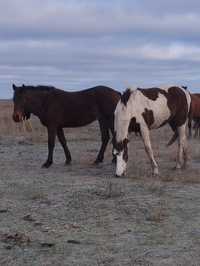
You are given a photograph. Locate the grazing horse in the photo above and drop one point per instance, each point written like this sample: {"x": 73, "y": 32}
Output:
{"x": 149, "y": 109}
{"x": 58, "y": 109}
{"x": 194, "y": 114}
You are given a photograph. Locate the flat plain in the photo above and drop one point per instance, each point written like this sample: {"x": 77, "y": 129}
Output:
{"x": 82, "y": 215}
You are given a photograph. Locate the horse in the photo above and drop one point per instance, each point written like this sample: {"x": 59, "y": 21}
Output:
{"x": 195, "y": 114}
{"x": 58, "y": 109}
{"x": 149, "y": 109}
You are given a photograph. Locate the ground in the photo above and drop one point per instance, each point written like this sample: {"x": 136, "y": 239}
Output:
{"x": 83, "y": 215}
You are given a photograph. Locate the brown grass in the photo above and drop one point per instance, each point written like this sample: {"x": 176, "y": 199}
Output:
{"x": 9, "y": 128}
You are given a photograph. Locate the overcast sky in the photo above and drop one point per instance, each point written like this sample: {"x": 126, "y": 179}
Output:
{"x": 79, "y": 44}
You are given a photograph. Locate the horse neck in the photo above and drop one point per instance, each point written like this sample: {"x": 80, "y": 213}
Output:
{"x": 36, "y": 103}
{"x": 122, "y": 122}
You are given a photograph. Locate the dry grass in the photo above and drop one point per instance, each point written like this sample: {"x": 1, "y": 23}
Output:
{"x": 192, "y": 179}
{"x": 9, "y": 128}
{"x": 157, "y": 214}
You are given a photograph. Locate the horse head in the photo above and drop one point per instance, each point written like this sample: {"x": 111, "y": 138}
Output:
{"x": 20, "y": 110}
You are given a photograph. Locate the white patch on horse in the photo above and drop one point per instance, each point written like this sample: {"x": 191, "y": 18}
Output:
{"x": 121, "y": 165}
{"x": 122, "y": 120}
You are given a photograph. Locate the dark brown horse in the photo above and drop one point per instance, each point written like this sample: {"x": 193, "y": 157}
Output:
{"x": 58, "y": 109}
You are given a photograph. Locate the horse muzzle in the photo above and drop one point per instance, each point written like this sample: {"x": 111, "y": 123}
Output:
{"x": 18, "y": 117}
{"x": 120, "y": 174}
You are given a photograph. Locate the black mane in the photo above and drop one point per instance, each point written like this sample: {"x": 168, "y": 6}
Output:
{"x": 38, "y": 88}
{"x": 125, "y": 96}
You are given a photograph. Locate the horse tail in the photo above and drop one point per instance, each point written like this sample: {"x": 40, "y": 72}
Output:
{"x": 173, "y": 139}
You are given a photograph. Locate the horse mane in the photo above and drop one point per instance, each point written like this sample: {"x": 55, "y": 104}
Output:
{"x": 125, "y": 96}
{"x": 38, "y": 88}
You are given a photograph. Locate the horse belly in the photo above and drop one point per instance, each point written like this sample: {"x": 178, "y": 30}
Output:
{"x": 79, "y": 120}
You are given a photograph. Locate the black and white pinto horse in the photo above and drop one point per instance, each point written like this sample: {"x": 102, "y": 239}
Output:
{"x": 146, "y": 109}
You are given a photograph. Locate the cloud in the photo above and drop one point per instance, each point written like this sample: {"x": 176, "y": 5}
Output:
{"x": 63, "y": 19}
{"x": 78, "y": 44}
{"x": 153, "y": 51}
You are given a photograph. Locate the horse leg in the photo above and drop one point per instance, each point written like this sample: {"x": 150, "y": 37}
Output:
{"x": 190, "y": 127}
{"x": 195, "y": 127}
{"x": 198, "y": 129}
{"x": 148, "y": 148}
{"x": 185, "y": 148}
{"x": 62, "y": 139}
{"x": 182, "y": 147}
{"x": 111, "y": 127}
{"x": 104, "y": 138}
{"x": 51, "y": 145}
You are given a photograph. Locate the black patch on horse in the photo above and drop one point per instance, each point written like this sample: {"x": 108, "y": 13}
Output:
{"x": 125, "y": 153}
{"x": 119, "y": 146}
{"x": 177, "y": 117}
{"x": 125, "y": 96}
{"x": 152, "y": 93}
{"x": 148, "y": 117}
{"x": 134, "y": 126}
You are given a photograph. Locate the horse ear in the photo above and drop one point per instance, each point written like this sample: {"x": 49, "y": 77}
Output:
{"x": 14, "y": 87}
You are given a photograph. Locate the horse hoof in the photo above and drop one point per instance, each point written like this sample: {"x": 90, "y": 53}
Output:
{"x": 122, "y": 175}
{"x": 175, "y": 168}
{"x": 46, "y": 165}
{"x": 155, "y": 175}
{"x": 185, "y": 167}
{"x": 97, "y": 161}
{"x": 68, "y": 162}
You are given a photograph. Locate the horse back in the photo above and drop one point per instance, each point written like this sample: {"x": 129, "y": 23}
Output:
{"x": 74, "y": 109}
{"x": 158, "y": 106}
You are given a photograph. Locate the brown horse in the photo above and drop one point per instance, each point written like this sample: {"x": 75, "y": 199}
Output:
{"x": 58, "y": 109}
{"x": 194, "y": 114}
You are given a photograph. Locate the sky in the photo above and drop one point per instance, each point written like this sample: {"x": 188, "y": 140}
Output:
{"x": 74, "y": 45}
